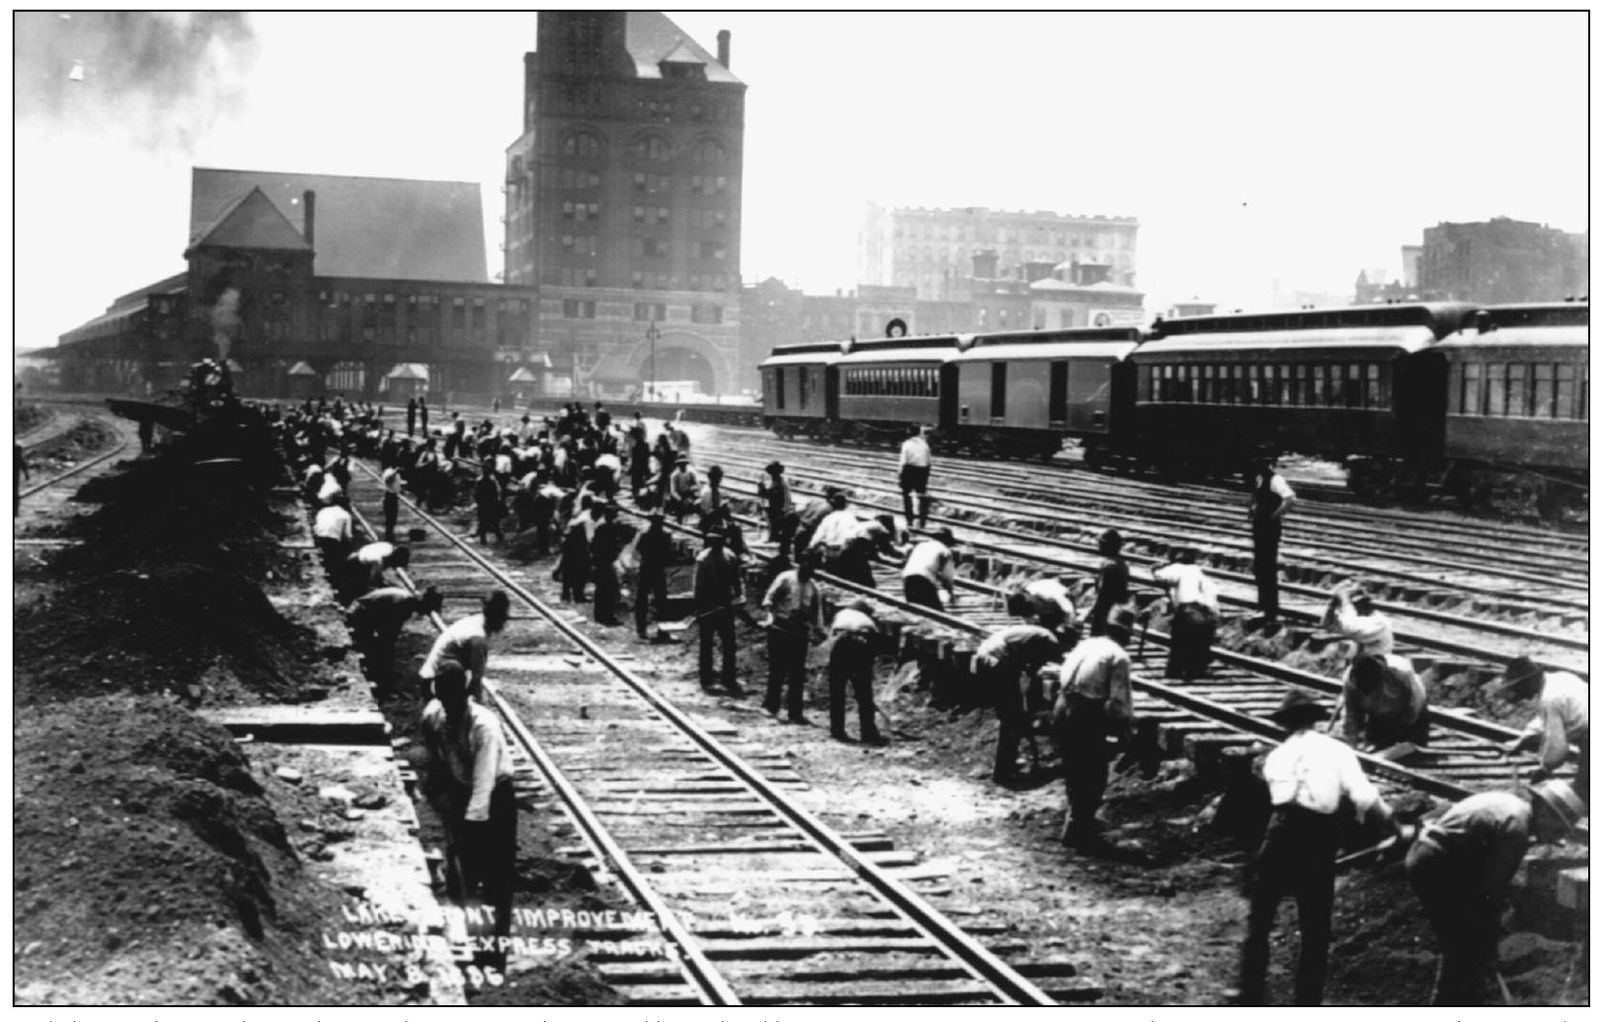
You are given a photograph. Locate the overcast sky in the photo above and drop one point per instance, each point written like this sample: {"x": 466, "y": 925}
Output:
{"x": 1252, "y": 147}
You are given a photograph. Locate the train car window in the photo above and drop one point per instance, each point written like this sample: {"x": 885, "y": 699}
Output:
{"x": 1496, "y": 392}
{"x": 1517, "y": 393}
{"x": 1387, "y": 398}
{"x": 1542, "y": 400}
{"x": 1582, "y": 402}
{"x": 1145, "y": 384}
{"x": 1254, "y": 388}
{"x": 781, "y": 388}
{"x": 1471, "y": 404}
{"x": 1192, "y": 388}
{"x": 1354, "y": 385}
{"x": 1566, "y": 377}
{"x": 1371, "y": 393}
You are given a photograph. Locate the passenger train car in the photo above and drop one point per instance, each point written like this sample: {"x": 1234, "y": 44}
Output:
{"x": 1419, "y": 395}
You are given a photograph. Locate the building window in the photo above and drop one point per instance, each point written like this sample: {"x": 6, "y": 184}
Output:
{"x": 710, "y": 250}
{"x": 655, "y": 247}
{"x": 579, "y": 244}
{"x": 582, "y": 143}
{"x": 653, "y": 148}
{"x": 706, "y": 314}
{"x": 664, "y": 215}
{"x": 639, "y": 215}
{"x": 648, "y": 312}
{"x": 577, "y": 309}
{"x": 709, "y": 152}
{"x": 636, "y": 279}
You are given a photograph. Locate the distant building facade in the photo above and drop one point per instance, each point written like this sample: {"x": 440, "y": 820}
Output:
{"x": 931, "y": 250}
{"x": 342, "y": 279}
{"x": 1501, "y": 260}
{"x": 624, "y": 198}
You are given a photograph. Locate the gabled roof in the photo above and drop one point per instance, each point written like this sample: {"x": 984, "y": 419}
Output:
{"x": 523, "y": 375}
{"x": 386, "y": 228}
{"x": 409, "y": 371}
{"x": 301, "y": 369}
{"x": 251, "y": 221}
{"x": 651, "y": 37}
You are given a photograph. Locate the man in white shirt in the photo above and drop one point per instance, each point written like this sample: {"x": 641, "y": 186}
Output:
{"x": 793, "y": 603}
{"x": 915, "y": 463}
{"x": 929, "y": 569}
{"x": 365, "y": 569}
{"x": 1048, "y": 604}
{"x": 391, "y": 503}
{"x": 1007, "y": 664}
{"x": 1560, "y": 721}
{"x": 1095, "y": 700}
{"x": 332, "y": 534}
{"x": 466, "y": 642}
{"x": 1311, "y": 779}
{"x": 853, "y": 632}
{"x": 1194, "y": 598}
{"x": 469, "y": 781}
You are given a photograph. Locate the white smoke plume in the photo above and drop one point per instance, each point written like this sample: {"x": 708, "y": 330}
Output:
{"x": 225, "y": 321}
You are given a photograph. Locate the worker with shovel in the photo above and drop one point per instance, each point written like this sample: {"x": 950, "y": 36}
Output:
{"x": 717, "y": 594}
{"x": 1383, "y": 699}
{"x": 1460, "y": 867}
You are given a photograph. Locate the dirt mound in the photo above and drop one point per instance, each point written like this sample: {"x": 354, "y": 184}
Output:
{"x": 201, "y": 631}
{"x": 148, "y": 867}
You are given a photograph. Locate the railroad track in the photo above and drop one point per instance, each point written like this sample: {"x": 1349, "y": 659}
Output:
{"x": 43, "y": 496}
{"x": 762, "y": 901}
{"x": 1227, "y": 710}
{"x": 1433, "y": 629}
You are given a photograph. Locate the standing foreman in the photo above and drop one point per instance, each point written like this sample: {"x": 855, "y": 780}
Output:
{"x": 915, "y": 464}
{"x": 717, "y": 594}
{"x": 1271, "y": 498}
{"x": 794, "y": 604}
{"x": 850, "y": 664}
{"x": 1111, "y": 581}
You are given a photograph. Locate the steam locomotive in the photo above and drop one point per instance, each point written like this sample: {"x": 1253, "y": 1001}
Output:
{"x": 1417, "y": 396}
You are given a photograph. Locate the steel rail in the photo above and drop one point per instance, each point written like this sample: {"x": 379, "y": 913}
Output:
{"x": 1006, "y": 983}
{"x": 700, "y": 973}
{"x": 83, "y": 466}
{"x": 1305, "y": 616}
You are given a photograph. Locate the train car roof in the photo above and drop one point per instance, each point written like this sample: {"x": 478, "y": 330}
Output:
{"x": 1546, "y": 335}
{"x": 1440, "y": 317}
{"x": 1081, "y": 334}
{"x": 819, "y": 357}
{"x": 1095, "y": 351}
{"x": 1402, "y": 340}
{"x": 897, "y": 354}
{"x": 1539, "y": 314}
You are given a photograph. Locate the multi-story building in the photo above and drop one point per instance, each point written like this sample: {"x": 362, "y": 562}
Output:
{"x": 931, "y": 250}
{"x": 344, "y": 280}
{"x": 1501, "y": 260}
{"x": 624, "y": 198}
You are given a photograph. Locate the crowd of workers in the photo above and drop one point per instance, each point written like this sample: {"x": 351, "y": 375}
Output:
{"x": 569, "y": 479}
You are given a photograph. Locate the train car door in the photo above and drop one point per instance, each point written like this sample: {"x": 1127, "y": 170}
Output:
{"x": 1419, "y": 401}
{"x": 949, "y": 380}
{"x": 1058, "y": 394}
{"x": 997, "y": 391}
{"x": 829, "y": 393}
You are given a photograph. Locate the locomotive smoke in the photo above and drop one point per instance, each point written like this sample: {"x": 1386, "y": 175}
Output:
{"x": 163, "y": 76}
{"x": 225, "y": 322}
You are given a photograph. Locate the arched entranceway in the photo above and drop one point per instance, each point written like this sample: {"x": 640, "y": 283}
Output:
{"x": 670, "y": 364}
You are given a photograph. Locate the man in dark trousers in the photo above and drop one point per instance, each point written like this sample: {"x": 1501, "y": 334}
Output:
{"x": 413, "y": 414}
{"x": 915, "y": 463}
{"x": 489, "y": 509}
{"x": 654, "y": 551}
{"x": 776, "y": 496}
{"x": 608, "y": 539}
{"x": 1271, "y": 498}
{"x": 1312, "y": 778}
{"x": 1007, "y": 665}
{"x": 469, "y": 782}
{"x": 19, "y": 472}
{"x": 717, "y": 592}
{"x": 853, "y": 632}
{"x": 575, "y": 555}
{"x": 375, "y": 619}
{"x": 1095, "y": 700}
{"x": 794, "y": 604}
{"x": 1460, "y": 867}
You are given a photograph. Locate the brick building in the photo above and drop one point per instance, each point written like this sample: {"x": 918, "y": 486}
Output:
{"x": 1501, "y": 260}
{"x": 351, "y": 277}
{"x": 932, "y": 249}
{"x": 624, "y": 197}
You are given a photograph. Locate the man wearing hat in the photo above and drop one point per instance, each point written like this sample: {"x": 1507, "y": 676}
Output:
{"x": 1094, "y": 701}
{"x": 717, "y": 592}
{"x": 683, "y": 495}
{"x": 1007, "y": 664}
{"x": 1460, "y": 867}
{"x": 1271, "y": 498}
{"x": 793, "y": 603}
{"x": 853, "y": 631}
{"x": 467, "y": 642}
{"x": 776, "y": 496}
{"x": 1560, "y": 721}
{"x": 1384, "y": 699}
{"x": 814, "y": 513}
{"x": 608, "y": 540}
{"x": 915, "y": 463}
{"x": 1111, "y": 581}
{"x": 653, "y": 559}
{"x": 1048, "y": 604}
{"x": 375, "y": 619}
{"x": 930, "y": 567}
{"x": 1311, "y": 778}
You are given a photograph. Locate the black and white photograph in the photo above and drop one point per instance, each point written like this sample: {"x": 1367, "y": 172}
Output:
{"x": 757, "y": 511}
